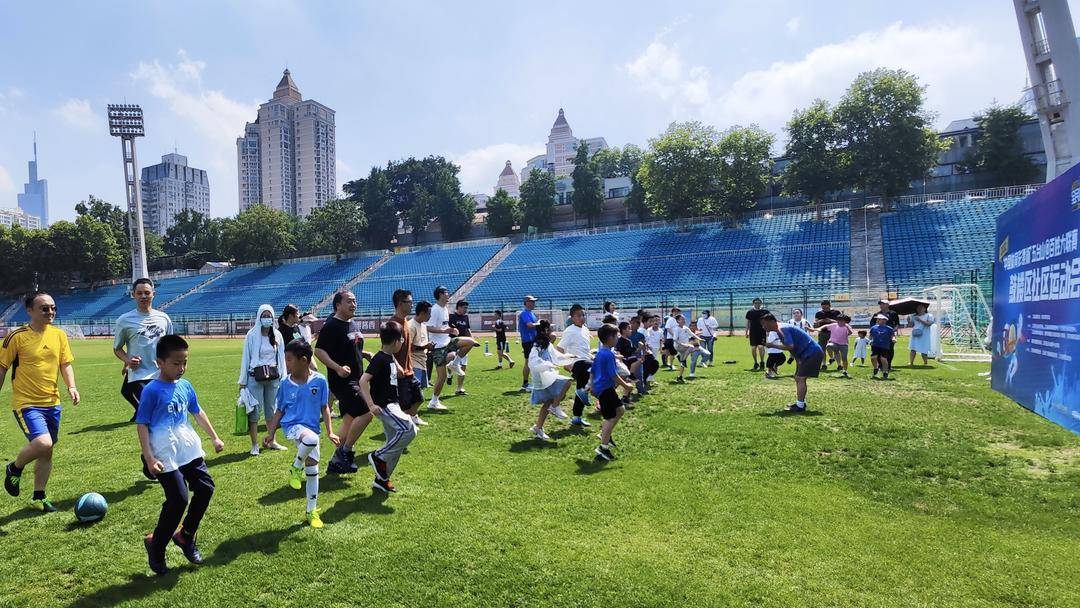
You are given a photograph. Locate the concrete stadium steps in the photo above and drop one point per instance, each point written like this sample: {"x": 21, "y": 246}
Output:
{"x": 213, "y": 277}
{"x": 9, "y": 311}
{"x": 867, "y": 253}
{"x": 325, "y": 302}
{"x": 484, "y": 271}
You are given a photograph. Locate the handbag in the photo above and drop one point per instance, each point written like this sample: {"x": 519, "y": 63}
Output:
{"x": 916, "y": 332}
{"x": 262, "y": 373}
{"x": 241, "y": 416}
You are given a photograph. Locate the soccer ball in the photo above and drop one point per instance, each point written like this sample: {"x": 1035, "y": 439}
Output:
{"x": 91, "y": 507}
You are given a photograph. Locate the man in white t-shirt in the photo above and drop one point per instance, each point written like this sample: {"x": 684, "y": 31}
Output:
{"x": 670, "y": 325}
{"x": 706, "y": 331}
{"x": 577, "y": 341}
{"x": 449, "y": 346}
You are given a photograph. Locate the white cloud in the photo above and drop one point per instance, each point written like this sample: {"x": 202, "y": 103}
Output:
{"x": 7, "y": 189}
{"x": 480, "y": 167}
{"x": 214, "y": 117}
{"x": 78, "y": 113}
{"x": 344, "y": 171}
{"x": 963, "y": 73}
{"x": 793, "y": 24}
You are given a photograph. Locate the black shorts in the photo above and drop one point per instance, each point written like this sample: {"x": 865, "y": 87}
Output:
{"x": 881, "y": 351}
{"x": 775, "y": 360}
{"x": 350, "y": 403}
{"x": 526, "y": 347}
{"x": 757, "y": 339}
{"x": 669, "y": 347}
{"x": 409, "y": 392}
{"x": 501, "y": 345}
{"x": 809, "y": 367}
{"x": 609, "y": 403}
{"x": 132, "y": 391}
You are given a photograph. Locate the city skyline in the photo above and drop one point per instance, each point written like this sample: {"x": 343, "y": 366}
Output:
{"x": 625, "y": 73}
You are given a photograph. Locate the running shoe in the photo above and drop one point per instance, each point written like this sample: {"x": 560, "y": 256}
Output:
{"x": 11, "y": 480}
{"x": 540, "y": 434}
{"x": 43, "y": 505}
{"x": 157, "y": 564}
{"x": 313, "y": 518}
{"x": 558, "y": 412}
{"x": 188, "y": 546}
{"x": 296, "y": 477}
{"x": 384, "y": 485}
{"x": 604, "y": 454}
{"x": 579, "y": 421}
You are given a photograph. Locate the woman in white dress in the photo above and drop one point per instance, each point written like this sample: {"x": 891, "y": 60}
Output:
{"x": 921, "y": 335}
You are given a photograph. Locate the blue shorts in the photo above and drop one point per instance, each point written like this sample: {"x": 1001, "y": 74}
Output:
{"x": 36, "y": 421}
{"x": 421, "y": 376}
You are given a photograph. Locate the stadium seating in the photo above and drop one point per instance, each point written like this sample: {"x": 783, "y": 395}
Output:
{"x": 932, "y": 243}
{"x": 760, "y": 255}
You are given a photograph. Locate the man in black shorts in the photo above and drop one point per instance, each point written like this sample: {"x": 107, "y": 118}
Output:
{"x": 341, "y": 350}
{"x": 825, "y": 316}
{"x": 670, "y": 325}
{"x": 526, "y": 326}
{"x": 756, "y": 333}
{"x": 893, "y": 321}
{"x": 410, "y": 395}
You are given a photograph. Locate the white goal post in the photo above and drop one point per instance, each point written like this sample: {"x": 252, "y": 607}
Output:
{"x": 963, "y": 321}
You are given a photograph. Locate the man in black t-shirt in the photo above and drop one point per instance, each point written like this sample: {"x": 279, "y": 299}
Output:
{"x": 459, "y": 319}
{"x": 826, "y": 316}
{"x": 893, "y": 322}
{"x": 341, "y": 349}
{"x": 378, "y": 387}
{"x": 756, "y": 333}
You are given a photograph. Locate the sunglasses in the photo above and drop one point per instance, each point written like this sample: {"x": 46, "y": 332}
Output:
{"x": 48, "y": 309}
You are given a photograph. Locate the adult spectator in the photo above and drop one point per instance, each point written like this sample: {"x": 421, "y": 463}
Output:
{"x": 459, "y": 319}
{"x": 706, "y": 331}
{"x": 42, "y": 354}
{"x": 305, "y": 328}
{"x": 826, "y": 316}
{"x": 135, "y": 343}
{"x": 610, "y": 308}
{"x": 289, "y": 324}
{"x": 340, "y": 347}
{"x": 526, "y": 326}
{"x": 921, "y": 341}
{"x": 756, "y": 333}
{"x": 892, "y": 319}
{"x": 450, "y": 348}
{"x": 262, "y": 362}
{"x": 409, "y": 388}
{"x": 670, "y": 325}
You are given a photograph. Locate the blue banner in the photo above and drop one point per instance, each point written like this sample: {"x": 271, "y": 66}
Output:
{"x": 1036, "y": 329}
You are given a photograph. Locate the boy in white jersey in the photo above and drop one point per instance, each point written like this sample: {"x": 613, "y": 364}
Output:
{"x": 577, "y": 342}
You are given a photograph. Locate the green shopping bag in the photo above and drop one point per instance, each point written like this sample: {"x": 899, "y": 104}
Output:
{"x": 241, "y": 418}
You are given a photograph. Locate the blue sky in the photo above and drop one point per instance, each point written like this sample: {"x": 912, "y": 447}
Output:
{"x": 477, "y": 82}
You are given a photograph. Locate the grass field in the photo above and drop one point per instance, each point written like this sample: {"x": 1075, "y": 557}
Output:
{"x": 926, "y": 490}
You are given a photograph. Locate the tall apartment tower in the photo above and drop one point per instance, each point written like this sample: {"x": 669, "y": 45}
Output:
{"x": 34, "y": 199}
{"x": 1053, "y": 62}
{"x": 286, "y": 159}
{"x": 169, "y": 188}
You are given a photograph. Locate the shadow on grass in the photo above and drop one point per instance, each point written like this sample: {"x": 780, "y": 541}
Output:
{"x": 787, "y": 414}
{"x": 137, "y": 586}
{"x": 372, "y": 504}
{"x": 280, "y": 495}
{"x": 531, "y": 445}
{"x": 225, "y": 459}
{"x": 21, "y": 514}
{"x": 102, "y": 427}
{"x": 267, "y": 543}
{"x": 514, "y": 393}
{"x": 568, "y": 432}
{"x": 591, "y": 466}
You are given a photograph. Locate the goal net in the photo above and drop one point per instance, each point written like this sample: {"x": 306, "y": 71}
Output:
{"x": 74, "y": 332}
{"x": 963, "y": 322}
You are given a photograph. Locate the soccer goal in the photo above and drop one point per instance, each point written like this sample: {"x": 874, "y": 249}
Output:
{"x": 963, "y": 321}
{"x": 74, "y": 332}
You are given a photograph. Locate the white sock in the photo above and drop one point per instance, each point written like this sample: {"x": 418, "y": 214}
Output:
{"x": 800, "y": 403}
{"x": 298, "y": 462}
{"x": 605, "y": 446}
{"x": 312, "y": 472}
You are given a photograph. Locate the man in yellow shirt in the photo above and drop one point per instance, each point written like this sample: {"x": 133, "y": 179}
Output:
{"x": 36, "y": 355}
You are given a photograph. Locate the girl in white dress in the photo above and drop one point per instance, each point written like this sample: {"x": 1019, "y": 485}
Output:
{"x": 921, "y": 335}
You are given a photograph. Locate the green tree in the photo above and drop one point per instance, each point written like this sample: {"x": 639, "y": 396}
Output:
{"x": 456, "y": 215}
{"x": 381, "y": 217}
{"x": 503, "y": 213}
{"x": 636, "y": 202}
{"x": 588, "y": 197}
{"x": 259, "y": 234}
{"x": 538, "y": 200}
{"x": 454, "y": 209}
{"x": 680, "y": 171}
{"x": 335, "y": 228}
{"x": 816, "y": 165}
{"x": 101, "y": 257}
{"x": 188, "y": 225}
{"x": 64, "y": 252}
{"x": 886, "y": 131}
{"x": 410, "y": 188}
{"x": 745, "y": 169}
{"x": 613, "y": 162}
{"x": 999, "y": 150}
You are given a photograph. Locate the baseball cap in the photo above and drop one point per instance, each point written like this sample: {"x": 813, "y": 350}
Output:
{"x": 530, "y": 298}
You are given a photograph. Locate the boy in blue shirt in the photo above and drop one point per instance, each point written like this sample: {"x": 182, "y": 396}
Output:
{"x": 804, "y": 348}
{"x": 881, "y": 345}
{"x": 303, "y": 399}
{"x": 173, "y": 453}
{"x": 605, "y": 378}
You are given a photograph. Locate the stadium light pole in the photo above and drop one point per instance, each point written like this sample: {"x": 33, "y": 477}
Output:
{"x": 126, "y": 122}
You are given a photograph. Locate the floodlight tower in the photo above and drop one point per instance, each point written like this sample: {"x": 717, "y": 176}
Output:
{"x": 126, "y": 122}
{"x": 1053, "y": 62}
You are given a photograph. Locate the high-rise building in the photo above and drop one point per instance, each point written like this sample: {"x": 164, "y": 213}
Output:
{"x": 34, "y": 200}
{"x": 169, "y": 188}
{"x": 508, "y": 181}
{"x": 18, "y": 217}
{"x": 561, "y": 148}
{"x": 287, "y": 158}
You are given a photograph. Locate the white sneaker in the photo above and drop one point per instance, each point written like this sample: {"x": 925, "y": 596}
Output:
{"x": 691, "y": 375}
{"x": 499, "y": 366}
{"x": 254, "y": 450}
{"x": 418, "y": 421}
{"x": 277, "y": 446}
{"x": 705, "y": 365}
{"x": 649, "y": 379}
{"x": 558, "y": 413}
{"x": 455, "y": 367}
{"x": 540, "y": 434}
{"x": 436, "y": 406}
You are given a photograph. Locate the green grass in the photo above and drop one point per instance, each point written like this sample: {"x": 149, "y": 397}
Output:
{"x": 929, "y": 490}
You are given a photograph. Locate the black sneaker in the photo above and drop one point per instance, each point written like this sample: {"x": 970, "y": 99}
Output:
{"x": 145, "y": 469}
{"x": 795, "y": 408}
{"x": 603, "y": 454}
{"x": 884, "y": 375}
{"x": 680, "y": 380}
{"x": 384, "y": 485}
{"x": 157, "y": 565}
{"x": 11, "y": 480}
{"x": 755, "y": 367}
{"x": 378, "y": 465}
{"x": 350, "y": 462}
{"x": 611, "y": 441}
{"x": 188, "y": 546}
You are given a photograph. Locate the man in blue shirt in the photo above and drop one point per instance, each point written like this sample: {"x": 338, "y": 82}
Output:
{"x": 808, "y": 356}
{"x": 526, "y": 326}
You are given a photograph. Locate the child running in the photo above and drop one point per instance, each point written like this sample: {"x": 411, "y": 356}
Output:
{"x": 774, "y": 356}
{"x": 839, "y": 332}
{"x": 881, "y": 345}
{"x": 378, "y": 387}
{"x": 549, "y": 387}
{"x": 303, "y": 399}
{"x": 174, "y": 454}
{"x": 605, "y": 379}
{"x": 576, "y": 341}
{"x": 502, "y": 347}
{"x": 860, "y": 348}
